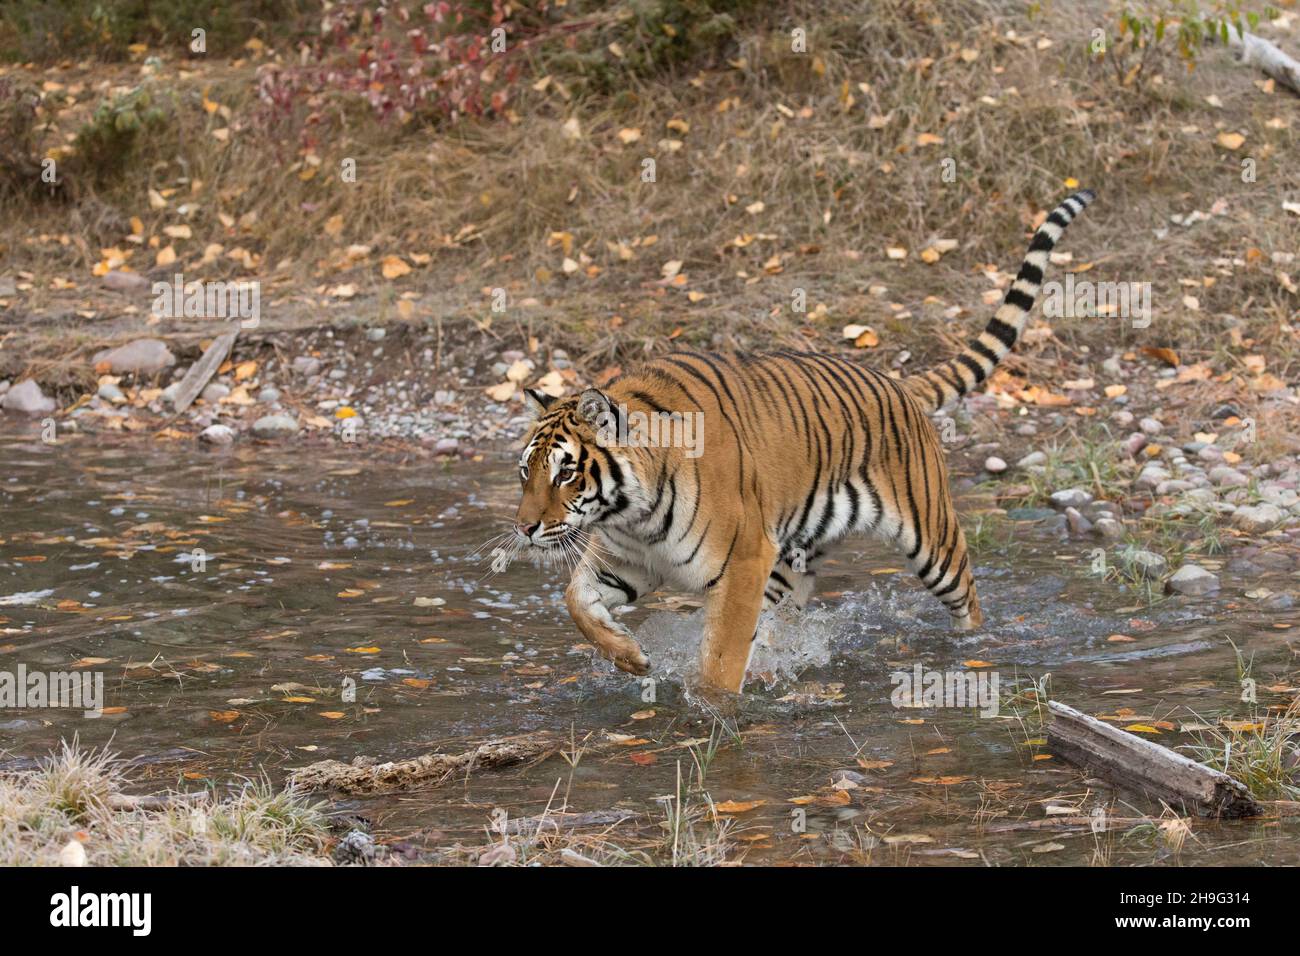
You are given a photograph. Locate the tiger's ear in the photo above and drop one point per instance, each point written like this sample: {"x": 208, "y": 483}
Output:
{"x": 594, "y": 407}
{"x": 543, "y": 400}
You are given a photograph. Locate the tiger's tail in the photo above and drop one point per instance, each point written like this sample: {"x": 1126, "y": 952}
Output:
{"x": 940, "y": 385}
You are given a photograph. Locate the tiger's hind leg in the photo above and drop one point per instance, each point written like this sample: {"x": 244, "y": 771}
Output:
{"x": 942, "y": 562}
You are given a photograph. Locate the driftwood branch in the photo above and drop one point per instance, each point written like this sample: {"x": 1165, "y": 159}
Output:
{"x": 1255, "y": 51}
{"x": 360, "y": 777}
{"x": 1126, "y": 760}
{"x": 202, "y": 370}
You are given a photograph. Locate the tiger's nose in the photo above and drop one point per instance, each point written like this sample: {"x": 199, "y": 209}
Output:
{"x": 528, "y": 530}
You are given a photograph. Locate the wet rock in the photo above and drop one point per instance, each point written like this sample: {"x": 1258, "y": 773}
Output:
{"x": 1145, "y": 564}
{"x": 1070, "y": 498}
{"x": 218, "y": 434}
{"x": 26, "y": 398}
{"x": 143, "y": 356}
{"x": 1194, "y": 580}
{"x": 1255, "y": 519}
{"x": 994, "y": 465}
{"x": 275, "y": 426}
{"x": 215, "y": 392}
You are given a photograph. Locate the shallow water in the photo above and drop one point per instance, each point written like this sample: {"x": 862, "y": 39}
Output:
{"x": 325, "y": 567}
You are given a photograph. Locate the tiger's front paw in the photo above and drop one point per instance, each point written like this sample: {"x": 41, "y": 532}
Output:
{"x": 638, "y": 665}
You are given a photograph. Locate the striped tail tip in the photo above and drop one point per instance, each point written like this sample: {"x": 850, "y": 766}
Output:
{"x": 953, "y": 379}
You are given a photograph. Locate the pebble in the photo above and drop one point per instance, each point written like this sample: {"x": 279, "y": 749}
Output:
{"x": 1228, "y": 477}
{"x": 1033, "y": 460}
{"x": 994, "y": 465}
{"x": 446, "y": 446}
{"x": 275, "y": 426}
{"x": 1146, "y": 564}
{"x": 306, "y": 365}
{"x": 1070, "y": 498}
{"x": 1108, "y": 529}
{"x": 218, "y": 434}
{"x": 1193, "y": 580}
{"x": 1151, "y": 426}
{"x": 268, "y": 395}
{"x": 215, "y": 392}
{"x": 110, "y": 393}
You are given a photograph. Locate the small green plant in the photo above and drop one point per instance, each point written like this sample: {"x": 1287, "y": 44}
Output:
{"x": 106, "y": 145}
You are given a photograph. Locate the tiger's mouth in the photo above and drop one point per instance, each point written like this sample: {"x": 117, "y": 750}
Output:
{"x": 551, "y": 538}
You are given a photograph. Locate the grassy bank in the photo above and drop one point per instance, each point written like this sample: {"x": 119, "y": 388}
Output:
{"x": 835, "y": 171}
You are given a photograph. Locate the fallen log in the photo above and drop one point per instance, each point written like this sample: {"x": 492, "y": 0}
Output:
{"x": 366, "y": 777}
{"x": 1255, "y": 51}
{"x": 1129, "y": 761}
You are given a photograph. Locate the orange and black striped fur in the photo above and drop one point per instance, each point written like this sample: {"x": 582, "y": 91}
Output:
{"x": 799, "y": 450}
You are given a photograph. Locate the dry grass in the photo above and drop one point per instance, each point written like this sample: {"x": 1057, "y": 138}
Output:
{"x": 67, "y": 799}
{"x": 485, "y": 201}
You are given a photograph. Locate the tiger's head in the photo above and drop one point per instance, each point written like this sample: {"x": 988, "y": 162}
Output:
{"x": 568, "y": 469}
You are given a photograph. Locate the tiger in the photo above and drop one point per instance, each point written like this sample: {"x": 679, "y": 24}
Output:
{"x": 797, "y": 450}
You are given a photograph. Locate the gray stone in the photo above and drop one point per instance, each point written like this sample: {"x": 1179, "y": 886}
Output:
{"x": 1254, "y": 519}
{"x": 1108, "y": 529}
{"x": 268, "y": 395}
{"x": 994, "y": 465}
{"x": 446, "y": 446}
{"x": 1193, "y": 580}
{"x": 111, "y": 393}
{"x": 215, "y": 392}
{"x": 218, "y": 434}
{"x": 275, "y": 426}
{"x": 1145, "y": 564}
{"x": 1134, "y": 443}
{"x": 1078, "y": 523}
{"x": 1151, "y": 426}
{"x": 1228, "y": 477}
{"x": 125, "y": 281}
{"x": 26, "y": 398}
{"x": 143, "y": 356}
{"x": 306, "y": 365}
{"x": 1033, "y": 460}
{"x": 1070, "y": 498}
